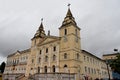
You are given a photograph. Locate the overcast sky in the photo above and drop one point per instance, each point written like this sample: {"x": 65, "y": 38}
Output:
{"x": 99, "y": 21}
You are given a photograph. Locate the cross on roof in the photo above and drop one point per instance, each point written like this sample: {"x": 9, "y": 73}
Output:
{"x": 68, "y": 5}
{"x": 41, "y": 19}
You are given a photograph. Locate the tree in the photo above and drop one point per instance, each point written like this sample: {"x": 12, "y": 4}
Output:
{"x": 115, "y": 64}
{"x": 2, "y": 67}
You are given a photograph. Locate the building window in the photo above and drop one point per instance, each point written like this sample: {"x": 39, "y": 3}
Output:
{"x": 91, "y": 60}
{"x": 46, "y": 58}
{"x": 88, "y": 59}
{"x": 31, "y": 68}
{"x": 65, "y": 66}
{"x": 39, "y": 59}
{"x": 45, "y": 69}
{"x": 65, "y": 31}
{"x": 35, "y": 42}
{"x": 94, "y": 71}
{"x": 54, "y": 57}
{"x": 88, "y": 70}
{"x": 76, "y": 32}
{"x": 53, "y": 68}
{"x": 84, "y": 58}
{"x": 46, "y": 50}
{"x": 54, "y": 48}
{"x": 65, "y": 55}
{"x": 40, "y": 52}
{"x": 85, "y": 69}
{"x": 78, "y": 56}
{"x": 32, "y": 60}
{"x": 38, "y": 69}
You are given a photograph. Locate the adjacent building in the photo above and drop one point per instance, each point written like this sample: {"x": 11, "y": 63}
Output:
{"x": 109, "y": 58}
{"x": 61, "y": 55}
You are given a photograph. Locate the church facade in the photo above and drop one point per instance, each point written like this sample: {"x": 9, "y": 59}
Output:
{"x": 56, "y": 54}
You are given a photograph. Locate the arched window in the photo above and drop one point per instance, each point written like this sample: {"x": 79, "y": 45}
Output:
{"x": 54, "y": 48}
{"x": 38, "y": 69}
{"x": 46, "y": 58}
{"x": 46, "y": 50}
{"x": 65, "y": 66}
{"x": 40, "y": 52}
{"x": 53, "y": 68}
{"x": 54, "y": 57}
{"x": 65, "y": 55}
{"x": 65, "y": 32}
{"x": 45, "y": 69}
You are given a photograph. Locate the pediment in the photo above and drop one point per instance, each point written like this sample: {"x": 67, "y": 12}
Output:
{"x": 50, "y": 39}
{"x": 17, "y": 53}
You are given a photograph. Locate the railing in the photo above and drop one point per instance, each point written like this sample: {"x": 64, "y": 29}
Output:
{"x": 20, "y": 77}
{"x": 14, "y": 64}
{"x": 11, "y": 76}
{"x": 53, "y": 76}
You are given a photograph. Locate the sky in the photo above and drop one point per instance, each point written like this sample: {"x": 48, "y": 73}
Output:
{"x": 99, "y": 21}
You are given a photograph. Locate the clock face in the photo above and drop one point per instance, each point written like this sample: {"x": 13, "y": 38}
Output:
{"x": 65, "y": 39}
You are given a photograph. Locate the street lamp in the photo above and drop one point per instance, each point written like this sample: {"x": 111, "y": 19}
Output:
{"x": 69, "y": 74}
{"x": 108, "y": 69}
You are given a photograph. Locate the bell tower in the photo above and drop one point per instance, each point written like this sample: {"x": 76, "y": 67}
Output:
{"x": 69, "y": 32}
{"x": 39, "y": 35}
{"x": 70, "y": 43}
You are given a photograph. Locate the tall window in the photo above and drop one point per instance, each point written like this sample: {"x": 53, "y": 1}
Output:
{"x": 78, "y": 56}
{"x": 46, "y": 58}
{"x": 54, "y": 57}
{"x": 84, "y": 58}
{"x": 39, "y": 59}
{"x": 76, "y": 32}
{"x": 35, "y": 42}
{"x": 91, "y": 60}
{"x": 85, "y": 69}
{"x": 88, "y": 59}
{"x": 46, "y": 50}
{"x": 40, "y": 52}
{"x": 65, "y": 55}
{"x": 38, "y": 69}
{"x": 65, "y": 32}
{"x": 65, "y": 68}
{"x": 54, "y": 48}
{"x": 89, "y": 70}
{"x": 32, "y": 60}
{"x": 45, "y": 69}
{"x": 94, "y": 71}
{"x": 53, "y": 68}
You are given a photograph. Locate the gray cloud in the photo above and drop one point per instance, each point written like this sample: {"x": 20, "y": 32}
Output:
{"x": 99, "y": 21}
